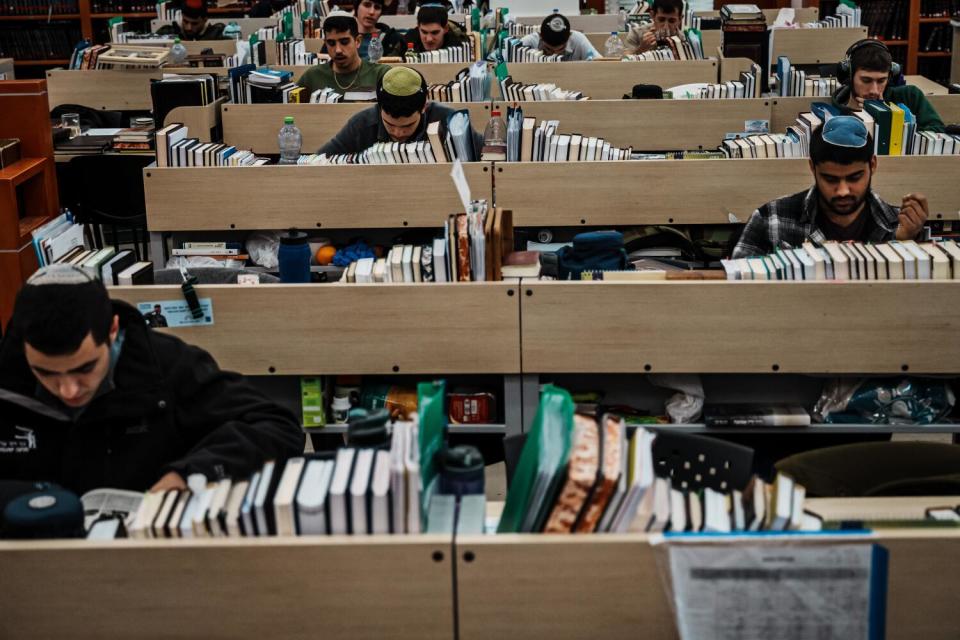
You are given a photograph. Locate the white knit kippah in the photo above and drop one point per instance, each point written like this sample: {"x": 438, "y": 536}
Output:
{"x": 59, "y": 274}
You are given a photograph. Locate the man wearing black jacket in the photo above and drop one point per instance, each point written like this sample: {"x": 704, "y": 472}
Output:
{"x": 91, "y": 397}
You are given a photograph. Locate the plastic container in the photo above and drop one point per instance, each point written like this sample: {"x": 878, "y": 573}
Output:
{"x": 294, "y": 257}
{"x": 290, "y": 141}
{"x": 495, "y": 138}
{"x": 340, "y": 407}
{"x": 232, "y": 31}
{"x": 461, "y": 471}
{"x": 410, "y": 50}
{"x": 613, "y": 47}
{"x": 178, "y": 53}
{"x": 375, "y": 48}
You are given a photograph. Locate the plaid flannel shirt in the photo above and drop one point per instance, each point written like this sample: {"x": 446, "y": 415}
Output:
{"x": 786, "y": 223}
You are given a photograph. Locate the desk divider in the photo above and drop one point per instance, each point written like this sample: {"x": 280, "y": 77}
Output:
{"x": 741, "y": 327}
{"x": 786, "y": 109}
{"x": 200, "y": 121}
{"x": 255, "y": 126}
{"x": 813, "y": 46}
{"x": 948, "y": 106}
{"x": 694, "y": 191}
{"x": 610, "y": 586}
{"x": 437, "y": 329}
{"x": 247, "y": 25}
{"x": 298, "y": 588}
{"x": 307, "y": 197}
{"x": 596, "y": 23}
{"x": 106, "y": 89}
{"x": 219, "y": 47}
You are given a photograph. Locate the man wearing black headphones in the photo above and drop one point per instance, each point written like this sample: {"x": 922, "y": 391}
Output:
{"x": 865, "y": 74}
{"x": 401, "y": 115}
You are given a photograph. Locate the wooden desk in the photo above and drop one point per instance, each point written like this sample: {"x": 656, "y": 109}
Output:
{"x": 929, "y": 87}
{"x": 813, "y": 46}
{"x": 741, "y": 327}
{"x": 384, "y": 329}
{"x": 6, "y": 68}
{"x": 254, "y": 126}
{"x": 610, "y": 586}
{"x": 277, "y": 197}
{"x": 333, "y": 587}
{"x": 693, "y": 191}
{"x": 107, "y": 89}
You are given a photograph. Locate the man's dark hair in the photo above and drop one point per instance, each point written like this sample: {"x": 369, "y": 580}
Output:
{"x": 194, "y": 9}
{"x": 822, "y": 151}
{"x": 552, "y": 36}
{"x": 871, "y": 58}
{"x": 432, "y": 15}
{"x": 341, "y": 24}
{"x": 401, "y": 106}
{"x": 667, "y": 6}
{"x": 55, "y": 319}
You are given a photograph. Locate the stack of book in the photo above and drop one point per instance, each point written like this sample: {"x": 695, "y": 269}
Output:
{"x": 294, "y": 52}
{"x": 903, "y": 260}
{"x": 579, "y": 474}
{"x": 463, "y": 52}
{"x": 796, "y": 82}
{"x": 473, "y": 248}
{"x": 357, "y": 491}
{"x": 887, "y": 19}
{"x": 538, "y": 92}
{"x": 517, "y": 30}
{"x": 470, "y": 85}
{"x": 134, "y": 139}
{"x": 84, "y": 55}
{"x": 264, "y": 86}
{"x": 529, "y": 142}
{"x": 175, "y": 149}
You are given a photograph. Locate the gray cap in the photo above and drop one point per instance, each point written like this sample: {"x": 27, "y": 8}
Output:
{"x": 59, "y": 274}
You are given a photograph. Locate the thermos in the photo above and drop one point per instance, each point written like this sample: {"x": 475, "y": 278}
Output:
{"x": 294, "y": 257}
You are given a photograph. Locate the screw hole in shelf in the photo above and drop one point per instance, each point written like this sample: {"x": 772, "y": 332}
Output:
{"x": 775, "y": 367}
{"x": 438, "y": 556}
{"x": 272, "y": 369}
{"x": 396, "y": 368}
{"x": 469, "y": 556}
{"x": 510, "y": 292}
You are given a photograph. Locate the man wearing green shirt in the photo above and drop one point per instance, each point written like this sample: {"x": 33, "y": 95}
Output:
{"x": 346, "y": 73}
{"x": 869, "y": 66}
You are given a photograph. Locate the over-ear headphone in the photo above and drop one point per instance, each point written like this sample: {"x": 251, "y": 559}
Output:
{"x": 845, "y": 68}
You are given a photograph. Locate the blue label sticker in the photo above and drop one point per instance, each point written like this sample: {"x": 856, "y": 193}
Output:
{"x": 175, "y": 313}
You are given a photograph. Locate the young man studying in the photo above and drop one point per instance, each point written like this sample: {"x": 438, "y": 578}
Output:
{"x": 434, "y": 30}
{"x": 346, "y": 73}
{"x": 401, "y": 115}
{"x": 368, "y": 14}
{"x": 91, "y": 397}
{"x": 667, "y": 20}
{"x": 556, "y": 38}
{"x": 866, "y": 73}
{"x": 193, "y": 24}
{"x": 840, "y": 205}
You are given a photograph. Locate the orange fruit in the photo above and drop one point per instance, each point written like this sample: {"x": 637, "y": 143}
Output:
{"x": 325, "y": 254}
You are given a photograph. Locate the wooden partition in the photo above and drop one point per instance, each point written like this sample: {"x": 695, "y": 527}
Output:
{"x": 247, "y": 25}
{"x": 694, "y": 191}
{"x": 785, "y": 110}
{"x": 221, "y": 47}
{"x": 107, "y": 89}
{"x": 813, "y": 46}
{"x": 610, "y": 80}
{"x": 652, "y": 124}
{"x": 929, "y": 87}
{"x": 357, "y": 329}
{"x": 611, "y": 586}
{"x": 312, "y": 587}
{"x": 598, "y": 23}
{"x": 200, "y": 121}
{"x": 255, "y": 126}
{"x": 740, "y": 327}
{"x": 731, "y": 68}
{"x": 306, "y": 197}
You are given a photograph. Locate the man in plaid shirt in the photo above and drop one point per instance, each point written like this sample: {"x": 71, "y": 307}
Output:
{"x": 840, "y": 205}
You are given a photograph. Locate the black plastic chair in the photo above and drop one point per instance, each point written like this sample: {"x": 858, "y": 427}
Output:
{"x": 110, "y": 195}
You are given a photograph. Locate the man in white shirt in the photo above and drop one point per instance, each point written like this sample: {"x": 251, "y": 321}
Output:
{"x": 556, "y": 38}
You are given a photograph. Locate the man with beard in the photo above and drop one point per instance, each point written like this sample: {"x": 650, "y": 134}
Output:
{"x": 346, "y": 73}
{"x": 840, "y": 205}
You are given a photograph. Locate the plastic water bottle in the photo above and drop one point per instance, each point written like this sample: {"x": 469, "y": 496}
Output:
{"x": 178, "y": 52}
{"x": 494, "y": 138}
{"x": 232, "y": 31}
{"x": 290, "y": 141}
{"x": 375, "y": 48}
{"x": 613, "y": 47}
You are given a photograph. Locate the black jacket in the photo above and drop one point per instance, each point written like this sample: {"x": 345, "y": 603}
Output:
{"x": 171, "y": 409}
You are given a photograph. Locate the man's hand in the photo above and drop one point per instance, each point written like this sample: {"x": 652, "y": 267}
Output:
{"x": 913, "y": 214}
{"x": 856, "y": 103}
{"x": 649, "y": 40}
{"x": 171, "y": 480}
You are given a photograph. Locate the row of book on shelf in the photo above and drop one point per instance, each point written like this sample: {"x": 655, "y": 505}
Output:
{"x": 473, "y": 248}
{"x": 176, "y": 149}
{"x": 355, "y": 491}
{"x": 748, "y": 86}
{"x": 536, "y": 92}
{"x": 471, "y": 84}
{"x": 581, "y": 474}
{"x": 831, "y": 260}
{"x": 686, "y": 45}
{"x": 529, "y": 142}
{"x": 796, "y": 82}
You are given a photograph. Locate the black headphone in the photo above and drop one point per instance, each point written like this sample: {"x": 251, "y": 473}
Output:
{"x": 845, "y": 68}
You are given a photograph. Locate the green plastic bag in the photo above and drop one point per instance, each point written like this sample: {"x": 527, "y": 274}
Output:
{"x": 431, "y": 398}
{"x": 540, "y": 471}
